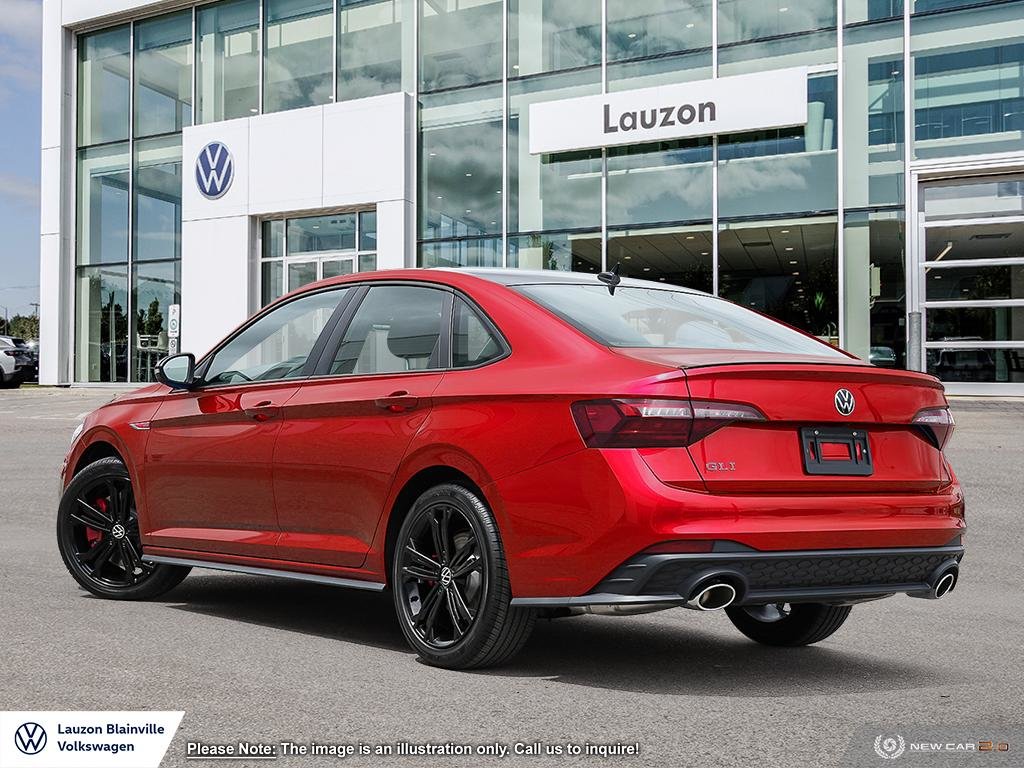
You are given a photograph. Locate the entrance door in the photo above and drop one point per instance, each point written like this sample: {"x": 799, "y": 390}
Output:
{"x": 970, "y": 273}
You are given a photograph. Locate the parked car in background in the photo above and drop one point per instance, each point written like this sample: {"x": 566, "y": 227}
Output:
{"x": 18, "y": 362}
{"x": 883, "y": 357}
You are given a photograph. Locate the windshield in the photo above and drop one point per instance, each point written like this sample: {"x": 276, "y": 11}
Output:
{"x": 652, "y": 317}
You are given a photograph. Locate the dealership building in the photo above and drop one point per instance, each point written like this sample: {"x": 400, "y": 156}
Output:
{"x": 852, "y": 167}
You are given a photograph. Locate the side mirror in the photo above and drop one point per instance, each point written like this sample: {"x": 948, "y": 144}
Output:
{"x": 177, "y": 371}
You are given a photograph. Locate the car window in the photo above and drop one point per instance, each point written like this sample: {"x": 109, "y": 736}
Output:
{"x": 275, "y": 346}
{"x": 472, "y": 341}
{"x": 396, "y": 328}
{"x": 652, "y": 317}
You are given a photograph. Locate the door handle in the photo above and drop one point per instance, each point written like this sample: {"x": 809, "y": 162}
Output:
{"x": 263, "y": 411}
{"x": 398, "y": 402}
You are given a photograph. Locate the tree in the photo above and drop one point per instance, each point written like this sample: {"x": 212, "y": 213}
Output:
{"x": 21, "y": 326}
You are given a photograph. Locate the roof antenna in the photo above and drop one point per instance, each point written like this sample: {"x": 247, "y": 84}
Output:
{"x": 611, "y": 278}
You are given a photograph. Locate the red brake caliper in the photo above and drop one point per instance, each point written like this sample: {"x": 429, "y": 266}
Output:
{"x": 91, "y": 534}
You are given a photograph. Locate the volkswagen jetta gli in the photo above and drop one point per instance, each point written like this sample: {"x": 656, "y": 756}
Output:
{"x": 493, "y": 446}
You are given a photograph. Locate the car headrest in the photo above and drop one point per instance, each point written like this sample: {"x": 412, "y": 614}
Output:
{"x": 412, "y": 336}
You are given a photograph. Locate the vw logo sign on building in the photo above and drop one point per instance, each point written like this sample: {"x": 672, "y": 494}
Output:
{"x": 30, "y": 738}
{"x": 845, "y": 402}
{"x": 215, "y": 170}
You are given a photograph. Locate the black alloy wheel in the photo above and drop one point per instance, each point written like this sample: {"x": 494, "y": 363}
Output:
{"x": 451, "y": 583}
{"x": 98, "y": 536}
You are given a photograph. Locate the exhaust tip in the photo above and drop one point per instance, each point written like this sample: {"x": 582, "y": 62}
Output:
{"x": 945, "y": 584}
{"x": 714, "y": 597}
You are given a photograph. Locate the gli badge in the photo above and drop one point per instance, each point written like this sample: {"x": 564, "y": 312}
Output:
{"x": 845, "y": 402}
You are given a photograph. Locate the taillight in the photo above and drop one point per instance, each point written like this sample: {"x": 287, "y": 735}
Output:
{"x": 937, "y": 425}
{"x": 654, "y": 423}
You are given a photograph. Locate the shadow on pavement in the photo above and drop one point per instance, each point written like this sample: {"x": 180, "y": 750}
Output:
{"x": 639, "y": 654}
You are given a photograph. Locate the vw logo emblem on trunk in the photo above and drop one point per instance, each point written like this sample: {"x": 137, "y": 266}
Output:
{"x": 215, "y": 170}
{"x": 845, "y": 402}
{"x": 30, "y": 738}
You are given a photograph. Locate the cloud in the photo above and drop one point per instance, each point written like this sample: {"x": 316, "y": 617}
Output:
{"x": 20, "y": 30}
{"x": 19, "y": 191}
{"x": 21, "y": 22}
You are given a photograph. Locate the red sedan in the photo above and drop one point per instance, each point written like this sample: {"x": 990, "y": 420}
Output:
{"x": 492, "y": 446}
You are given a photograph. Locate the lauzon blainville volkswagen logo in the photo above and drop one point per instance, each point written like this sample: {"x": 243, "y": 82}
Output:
{"x": 215, "y": 170}
{"x": 30, "y": 738}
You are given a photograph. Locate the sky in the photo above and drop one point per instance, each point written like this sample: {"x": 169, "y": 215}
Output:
{"x": 20, "y": 24}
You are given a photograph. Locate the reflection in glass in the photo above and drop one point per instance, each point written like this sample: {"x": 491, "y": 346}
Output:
{"x": 477, "y": 252}
{"x": 642, "y": 28}
{"x": 784, "y": 268}
{"x": 460, "y": 163}
{"x": 336, "y": 267}
{"x": 873, "y": 125}
{"x": 336, "y": 232}
{"x": 227, "y": 60}
{"x": 298, "y": 69}
{"x": 675, "y": 255}
{"x": 370, "y": 52}
{"x": 276, "y": 345}
{"x": 367, "y": 262}
{"x": 368, "y": 230}
{"x": 550, "y": 192}
{"x": 975, "y": 282}
{"x": 783, "y": 170}
{"x": 460, "y": 43}
{"x": 968, "y": 95}
{"x": 273, "y": 238}
{"x": 272, "y": 281}
{"x": 549, "y": 35}
{"x": 978, "y": 364}
{"x": 104, "y": 71}
{"x": 301, "y": 273}
{"x": 155, "y": 287}
{"x": 874, "y": 284}
{"x": 661, "y": 70}
{"x": 558, "y": 251}
{"x": 163, "y": 74}
{"x": 667, "y": 181}
{"x": 102, "y": 205}
{"x": 976, "y": 323}
{"x": 157, "y": 190}
{"x": 101, "y": 324}
{"x": 978, "y": 198}
{"x": 743, "y": 20}
{"x": 858, "y": 11}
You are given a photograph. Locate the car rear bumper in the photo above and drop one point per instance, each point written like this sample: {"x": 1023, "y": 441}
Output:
{"x": 822, "y": 576}
{"x": 568, "y": 524}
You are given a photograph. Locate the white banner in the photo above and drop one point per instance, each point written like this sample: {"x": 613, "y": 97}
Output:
{"x": 86, "y": 739}
{"x": 773, "y": 99}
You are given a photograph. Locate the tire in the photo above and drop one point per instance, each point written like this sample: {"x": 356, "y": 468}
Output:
{"x": 788, "y": 625}
{"x": 98, "y": 536}
{"x": 451, "y": 586}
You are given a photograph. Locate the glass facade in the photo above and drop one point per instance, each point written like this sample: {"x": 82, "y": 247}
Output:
{"x": 812, "y": 224}
{"x": 297, "y": 251}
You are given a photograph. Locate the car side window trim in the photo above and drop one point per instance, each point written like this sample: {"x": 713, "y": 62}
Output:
{"x": 345, "y": 300}
{"x": 330, "y": 349}
{"x": 489, "y": 325}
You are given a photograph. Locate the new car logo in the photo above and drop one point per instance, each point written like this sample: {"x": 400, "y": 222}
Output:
{"x": 30, "y": 738}
{"x": 118, "y": 531}
{"x": 845, "y": 402}
{"x": 215, "y": 170}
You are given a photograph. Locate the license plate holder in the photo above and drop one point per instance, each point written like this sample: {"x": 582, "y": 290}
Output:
{"x": 836, "y": 451}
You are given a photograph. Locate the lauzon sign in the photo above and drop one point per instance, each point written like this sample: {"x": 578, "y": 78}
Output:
{"x": 773, "y": 99}
{"x": 658, "y": 117}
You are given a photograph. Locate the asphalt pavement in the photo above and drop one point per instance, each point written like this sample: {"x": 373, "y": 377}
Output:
{"x": 265, "y": 660}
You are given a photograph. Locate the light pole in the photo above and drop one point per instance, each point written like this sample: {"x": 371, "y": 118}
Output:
{"x": 7, "y": 321}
